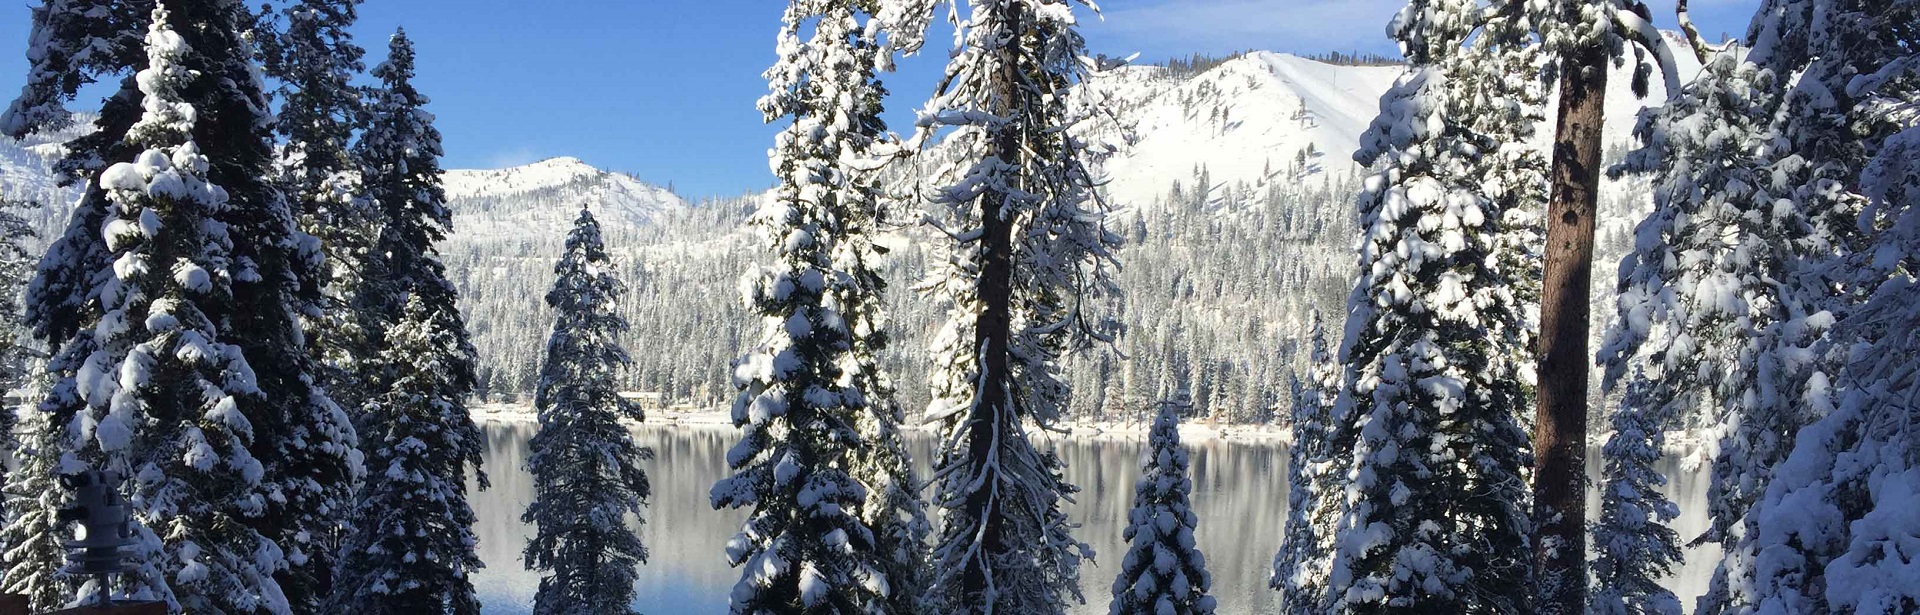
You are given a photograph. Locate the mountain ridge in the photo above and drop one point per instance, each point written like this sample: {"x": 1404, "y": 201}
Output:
{"x": 1233, "y": 184}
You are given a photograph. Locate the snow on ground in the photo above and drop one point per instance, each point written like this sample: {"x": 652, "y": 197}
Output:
{"x": 694, "y": 418}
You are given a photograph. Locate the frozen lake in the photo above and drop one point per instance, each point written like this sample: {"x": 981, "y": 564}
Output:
{"x": 1240, "y": 493}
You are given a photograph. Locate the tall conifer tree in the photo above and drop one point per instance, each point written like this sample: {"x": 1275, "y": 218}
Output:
{"x": 837, "y": 523}
{"x": 1583, "y": 40}
{"x": 16, "y": 266}
{"x": 258, "y": 281}
{"x": 72, "y": 43}
{"x": 167, "y": 395}
{"x": 411, "y": 548}
{"x": 1437, "y": 328}
{"x": 585, "y": 465}
{"x": 315, "y": 59}
{"x": 1314, "y": 478}
{"x": 1024, "y": 282}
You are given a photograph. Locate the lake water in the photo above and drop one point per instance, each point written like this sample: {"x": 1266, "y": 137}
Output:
{"x": 1240, "y": 495}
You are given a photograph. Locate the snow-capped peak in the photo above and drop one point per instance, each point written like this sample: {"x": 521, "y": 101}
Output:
{"x": 1250, "y": 118}
{"x": 545, "y": 196}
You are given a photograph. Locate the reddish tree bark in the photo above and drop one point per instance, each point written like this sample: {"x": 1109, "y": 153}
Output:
{"x": 1560, "y": 428}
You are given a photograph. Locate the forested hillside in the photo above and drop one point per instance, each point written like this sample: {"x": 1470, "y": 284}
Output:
{"x": 1230, "y": 179}
{"x": 1230, "y": 247}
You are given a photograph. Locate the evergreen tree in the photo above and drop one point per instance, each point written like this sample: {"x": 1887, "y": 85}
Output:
{"x": 399, "y": 156}
{"x": 167, "y": 397}
{"x": 1436, "y": 323}
{"x": 78, "y": 301}
{"x": 315, "y": 59}
{"x": 1313, "y": 485}
{"x": 837, "y": 524}
{"x": 314, "y": 463}
{"x": 1582, "y": 40}
{"x": 29, "y": 553}
{"x": 1024, "y": 281}
{"x": 1634, "y": 548}
{"x": 1715, "y": 304}
{"x": 73, "y": 42}
{"x": 1164, "y": 572}
{"x": 411, "y": 548}
{"x": 33, "y": 556}
{"x": 585, "y": 465}
{"x": 1713, "y": 276}
{"x": 894, "y": 509}
{"x": 1845, "y": 139}
{"x": 16, "y": 266}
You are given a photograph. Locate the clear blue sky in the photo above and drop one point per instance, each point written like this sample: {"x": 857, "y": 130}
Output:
{"x": 665, "y": 89}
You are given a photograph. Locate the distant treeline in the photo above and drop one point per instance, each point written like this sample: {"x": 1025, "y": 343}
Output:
{"x": 1200, "y": 63}
{"x": 1355, "y": 59}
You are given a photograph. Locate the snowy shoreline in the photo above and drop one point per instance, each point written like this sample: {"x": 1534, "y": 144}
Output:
{"x": 1191, "y": 432}
{"x": 1686, "y": 445}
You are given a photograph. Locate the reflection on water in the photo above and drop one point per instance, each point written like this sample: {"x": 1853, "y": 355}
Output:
{"x": 1240, "y": 494}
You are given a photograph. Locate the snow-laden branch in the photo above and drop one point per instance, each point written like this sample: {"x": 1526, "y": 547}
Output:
{"x": 1701, "y": 49}
{"x": 1641, "y": 31}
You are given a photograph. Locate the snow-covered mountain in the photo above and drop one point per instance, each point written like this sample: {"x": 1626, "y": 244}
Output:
{"x": 1233, "y": 179}
{"x": 1245, "y": 119}
{"x": 544, "y": 197}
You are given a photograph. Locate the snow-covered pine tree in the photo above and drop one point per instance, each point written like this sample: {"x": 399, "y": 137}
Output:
{"x": 411, "y": 545}
{"x": 315, "y": 60}
{"x": 20, "y": 500}
{"x": 1715, "y": 311}
{"x": 166, "y": 396}
{"x": 1164, "y": 572}
{"x": 1314, "y": 496}
{"x": 836, "y": 521}
{"x": 267, "y": 282}
{"x": 894, "y": 510}
{"x": 30, "y": 541}
{"x": 585, "y": 465}
{"x": 308, "y": 442}
{"x": 411, "y": 548}
{"x": 1821, "y": 536}
{"x": 1634, "y": 547}
{"x": 1427, "y": 412}
{"x": 1024, "y": 282}
{"x": 73, "y": 42}
{"x": 16, "y": 266}
{"x": 304, "y": 440}
{"x": 399, "y": 155}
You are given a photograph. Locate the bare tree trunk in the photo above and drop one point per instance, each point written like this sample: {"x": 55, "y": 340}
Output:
{"x": 1560, "y": 429}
